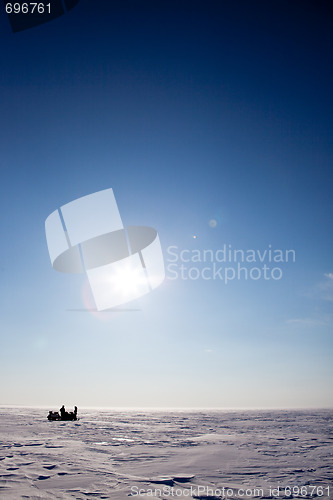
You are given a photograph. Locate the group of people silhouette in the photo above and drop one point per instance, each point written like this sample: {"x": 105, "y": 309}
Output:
{"x": 63, "y": 414}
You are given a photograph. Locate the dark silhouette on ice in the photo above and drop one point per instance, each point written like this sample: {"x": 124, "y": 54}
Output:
{"x": 63, "y": 414}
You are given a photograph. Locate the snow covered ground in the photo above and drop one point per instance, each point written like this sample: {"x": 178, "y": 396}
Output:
{"x": 121, "y": 454}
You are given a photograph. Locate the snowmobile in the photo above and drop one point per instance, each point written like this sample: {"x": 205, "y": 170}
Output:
{"x": 63, "y": 415}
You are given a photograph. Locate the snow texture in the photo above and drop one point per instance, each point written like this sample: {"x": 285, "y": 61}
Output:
{"x": 122, "y": 454}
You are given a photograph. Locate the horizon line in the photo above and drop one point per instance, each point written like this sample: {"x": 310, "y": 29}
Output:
{"x": 179, "y": 408}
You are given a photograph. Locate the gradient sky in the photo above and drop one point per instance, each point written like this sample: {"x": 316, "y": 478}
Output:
{"x": 192, "y": 111}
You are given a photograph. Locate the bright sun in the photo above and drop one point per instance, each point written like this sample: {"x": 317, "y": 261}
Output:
{"x": 128, "y": 281}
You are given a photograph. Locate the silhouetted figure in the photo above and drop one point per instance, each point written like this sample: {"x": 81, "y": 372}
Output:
{"x": 63, "y": 412}
{"x": 72, "y": 414}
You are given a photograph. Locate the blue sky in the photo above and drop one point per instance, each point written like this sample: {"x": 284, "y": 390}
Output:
{"x": 191, "y": 112}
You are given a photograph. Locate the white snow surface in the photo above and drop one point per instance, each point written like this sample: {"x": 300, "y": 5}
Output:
{"x": 123, "y": 454}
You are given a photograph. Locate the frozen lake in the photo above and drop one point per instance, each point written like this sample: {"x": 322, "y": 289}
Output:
{"x": 166, "y": 454}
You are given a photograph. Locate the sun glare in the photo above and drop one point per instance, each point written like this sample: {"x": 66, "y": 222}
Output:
{"x": 128, "y": 281}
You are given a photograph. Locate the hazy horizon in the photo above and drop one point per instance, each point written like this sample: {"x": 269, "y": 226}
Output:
{"x": 162, "y": 408}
